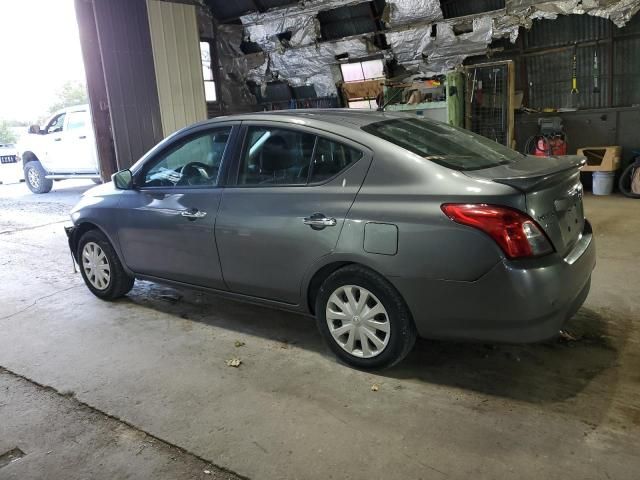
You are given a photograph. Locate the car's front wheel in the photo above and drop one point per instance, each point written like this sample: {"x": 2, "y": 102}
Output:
{"x": 364, "y": 320}
{"x": 101, "y": 268}
{"x": 34, "y": 176}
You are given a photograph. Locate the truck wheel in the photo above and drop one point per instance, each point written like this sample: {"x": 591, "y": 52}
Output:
{"x": 34, "y": 176}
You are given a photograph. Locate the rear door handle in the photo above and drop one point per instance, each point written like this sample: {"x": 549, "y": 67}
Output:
{"x": 193, "y": 214}
{"x": 57, "y": 139}
{"x": 319, "y": 221}
{"x": 82, "y": 137}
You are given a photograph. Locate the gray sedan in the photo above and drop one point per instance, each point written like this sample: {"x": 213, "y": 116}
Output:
{"x": 383, "y": 226}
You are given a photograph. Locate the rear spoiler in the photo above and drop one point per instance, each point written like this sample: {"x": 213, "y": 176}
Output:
{"x": 528, "y": 183}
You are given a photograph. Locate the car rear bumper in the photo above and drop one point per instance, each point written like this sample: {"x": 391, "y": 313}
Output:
{"x": 524, "y": 301}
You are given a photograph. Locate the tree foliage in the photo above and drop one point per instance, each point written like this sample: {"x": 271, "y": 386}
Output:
{"x": 6, "y": 135}
{"x": 70, "y": 94}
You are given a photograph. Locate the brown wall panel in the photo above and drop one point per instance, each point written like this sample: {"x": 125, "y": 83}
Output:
{"x": 96, "y": 87}
{"x": 127, "y": 59}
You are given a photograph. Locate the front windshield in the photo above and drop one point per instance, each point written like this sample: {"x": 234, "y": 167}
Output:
{"x": 448, "y": 146}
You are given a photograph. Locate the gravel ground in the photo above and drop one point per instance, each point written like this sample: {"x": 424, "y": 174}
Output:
{"x": 22, "y": 209}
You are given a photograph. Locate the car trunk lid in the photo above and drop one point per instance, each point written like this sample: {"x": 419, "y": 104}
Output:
{"x": 552, "y": 190}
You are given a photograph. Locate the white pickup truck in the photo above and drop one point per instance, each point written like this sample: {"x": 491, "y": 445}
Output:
{"x": 9, "y": 165}
{"x": 64, "y": 148}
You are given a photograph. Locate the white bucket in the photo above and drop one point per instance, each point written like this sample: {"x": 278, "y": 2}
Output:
{"x": 603, "y": 183}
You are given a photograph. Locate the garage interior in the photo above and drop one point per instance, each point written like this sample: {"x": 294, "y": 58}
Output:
{"x": 140, "y": 388}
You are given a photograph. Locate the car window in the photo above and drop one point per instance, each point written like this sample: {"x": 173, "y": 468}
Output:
{"x": 444, "y": 144}
{"x": 77, "y": 120}
{"x": 331, "y": 158}
{"x": 56, "y": 124}
{"x": 275, "y": 156}
{"x": 195, "y": 162}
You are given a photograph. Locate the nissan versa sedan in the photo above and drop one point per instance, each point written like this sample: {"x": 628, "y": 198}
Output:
{"x": 384, "y": 226}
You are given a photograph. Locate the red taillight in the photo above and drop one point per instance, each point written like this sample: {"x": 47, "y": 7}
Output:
{"x": 516, "y": 233}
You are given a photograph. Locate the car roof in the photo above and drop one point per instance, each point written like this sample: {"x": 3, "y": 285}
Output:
{"x": 347, "y": 117}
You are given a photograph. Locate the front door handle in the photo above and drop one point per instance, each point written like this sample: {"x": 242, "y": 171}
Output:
{"x": 319, "y": 221}
{"x": 82, "y": 137}
{"x": 57, "y": 139}
{"x": 193, "y": 214}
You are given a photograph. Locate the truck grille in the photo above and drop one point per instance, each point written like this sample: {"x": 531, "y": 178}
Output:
{"x": 8, "y": 159}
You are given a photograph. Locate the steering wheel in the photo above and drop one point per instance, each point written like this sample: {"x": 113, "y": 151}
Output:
{"x": 193, "y": 173}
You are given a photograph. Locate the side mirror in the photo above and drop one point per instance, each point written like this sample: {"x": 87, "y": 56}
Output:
{"x": 34, "y": 129}
{"x": 123, "y": 180}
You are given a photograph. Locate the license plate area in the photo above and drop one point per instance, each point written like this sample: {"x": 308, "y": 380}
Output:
{"x": 572, "y": 222}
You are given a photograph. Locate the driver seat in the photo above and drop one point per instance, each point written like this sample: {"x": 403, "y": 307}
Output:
{"x": 275, "y": 159}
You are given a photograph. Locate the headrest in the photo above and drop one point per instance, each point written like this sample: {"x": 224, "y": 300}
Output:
{"x": 275, "y": 155}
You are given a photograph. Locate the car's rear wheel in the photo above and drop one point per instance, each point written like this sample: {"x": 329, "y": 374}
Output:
{"x": 101, "y": 268}
{"x": 34, "y": 176}
{"x": 363, "y": 319}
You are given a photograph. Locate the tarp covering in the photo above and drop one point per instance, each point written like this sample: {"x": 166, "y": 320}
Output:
{"x": 399, "y": 12}
{"x": 368, "y": 89}
{"x": 312, "y": 64}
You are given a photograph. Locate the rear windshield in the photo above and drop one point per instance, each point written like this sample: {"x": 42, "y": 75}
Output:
{"x": 448, "y": 146}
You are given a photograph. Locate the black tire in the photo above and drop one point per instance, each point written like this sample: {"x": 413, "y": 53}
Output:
{"x": 402, "y": 330}
{"x": 119, "y": 283}
{"x": 34, "y": 176}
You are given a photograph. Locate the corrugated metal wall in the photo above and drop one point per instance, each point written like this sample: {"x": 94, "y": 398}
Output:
{"x": 178, "y": 67}
{"x": 549, "y": 76}
{"x": 125, "y": 47}
{"x": 549, "y": 73}
{"x": 565, "y": 30}
{"x": 547, "y": 57}
{"x": 626, "y": 72}
{"x": 626, "y": 63}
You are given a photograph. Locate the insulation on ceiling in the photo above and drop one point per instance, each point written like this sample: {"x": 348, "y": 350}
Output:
{"x": 400, "y": 12}
{"x": 311, "y": 64}
{"x": 303, "y": 60}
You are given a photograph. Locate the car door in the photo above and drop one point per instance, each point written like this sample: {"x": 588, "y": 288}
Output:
{"x": 166, "y": 223}
{"x": 286, "y": 207}
{"x": 53, "y": 144}
{"x": 79, "y": 143}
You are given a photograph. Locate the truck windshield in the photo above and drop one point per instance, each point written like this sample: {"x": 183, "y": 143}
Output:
{"x": 448, "y": 146}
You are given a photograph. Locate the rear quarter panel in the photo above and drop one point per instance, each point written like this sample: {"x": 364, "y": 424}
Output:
{"x": 407, "y": 191}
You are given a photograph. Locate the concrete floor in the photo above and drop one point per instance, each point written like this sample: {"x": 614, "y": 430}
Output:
{"x": 65, "y": 439}
{"x": 156, "y": 361}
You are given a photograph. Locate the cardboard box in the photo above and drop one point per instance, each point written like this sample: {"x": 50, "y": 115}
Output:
{"x": 601, "y": 159}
